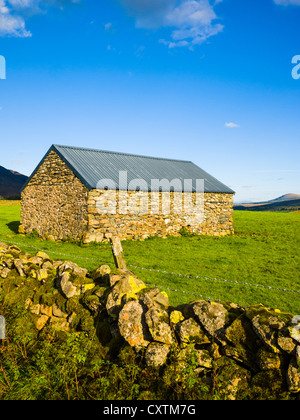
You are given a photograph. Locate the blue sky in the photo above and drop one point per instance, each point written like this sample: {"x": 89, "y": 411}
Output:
{"x": 207, "y": 81}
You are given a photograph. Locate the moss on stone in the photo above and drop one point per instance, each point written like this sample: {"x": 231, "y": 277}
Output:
{"x": 268, "y": 385}
{"x": 73, "y": 305}
{"x": 241, "y": 335}
{"x": 267, "y": 323}
{"x": 176, "y": 317}
{"x": 231, "y": 380}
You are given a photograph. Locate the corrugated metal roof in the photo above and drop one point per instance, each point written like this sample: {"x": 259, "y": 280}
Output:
{"x": 92, "y": 165}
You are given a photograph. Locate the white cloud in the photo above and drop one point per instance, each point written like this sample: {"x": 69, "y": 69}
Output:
{"x": 3, "y": 8}
{"x": 108, "y": 26}
{"x": 14, "y": 12}
{"x": 23, "y": 4}
{"x": 231, "y": 125}
{"x": 11, "y": 24}
{"x": 287, "y": 2}
{"x": 191, "y": 22}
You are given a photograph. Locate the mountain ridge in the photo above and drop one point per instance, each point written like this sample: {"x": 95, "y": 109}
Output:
{"x": 286, "y": 197}
{"x": 11, "y": 182}
{"x": 286, "y": 202}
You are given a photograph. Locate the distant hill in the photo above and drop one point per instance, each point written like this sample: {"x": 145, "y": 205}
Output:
{"x": 286, "y": 197}
{"x": 287, "y": 202}
{"x": 11, "y": 182}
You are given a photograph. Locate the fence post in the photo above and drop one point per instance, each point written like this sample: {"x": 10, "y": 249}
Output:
{"x": 117, "y": 251}
{"x": 2, "y": 328}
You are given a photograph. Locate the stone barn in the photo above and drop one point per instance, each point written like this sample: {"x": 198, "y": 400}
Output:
{"x": 89, "y": 195}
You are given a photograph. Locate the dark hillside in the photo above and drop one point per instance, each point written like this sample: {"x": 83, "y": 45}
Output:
{"x": 11, "y": 182}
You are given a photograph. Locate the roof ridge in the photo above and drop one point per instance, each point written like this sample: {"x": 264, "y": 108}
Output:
{"x": 90, "y": 171}
{"x": 121, "y": 153}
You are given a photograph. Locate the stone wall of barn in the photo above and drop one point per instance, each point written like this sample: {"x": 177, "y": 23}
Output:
{"x": 54, "y": 203}
{"x": 57, "y": 206}
{"x": 141, "y": 219}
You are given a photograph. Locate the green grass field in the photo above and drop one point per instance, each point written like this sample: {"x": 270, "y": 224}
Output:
{"x": 264, "y": 251}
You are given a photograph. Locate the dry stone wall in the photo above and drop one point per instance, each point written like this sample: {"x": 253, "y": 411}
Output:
{"x": 251, "y": 352}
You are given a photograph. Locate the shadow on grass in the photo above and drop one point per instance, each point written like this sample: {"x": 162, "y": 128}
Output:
{"x": 14, "y": 226}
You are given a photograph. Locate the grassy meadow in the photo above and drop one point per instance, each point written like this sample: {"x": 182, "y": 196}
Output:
{"x": 263, "y": 252}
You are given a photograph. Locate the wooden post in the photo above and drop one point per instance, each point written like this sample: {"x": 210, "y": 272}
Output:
{"x": 2, "y": 328}
{"x": 117, "y": 251}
